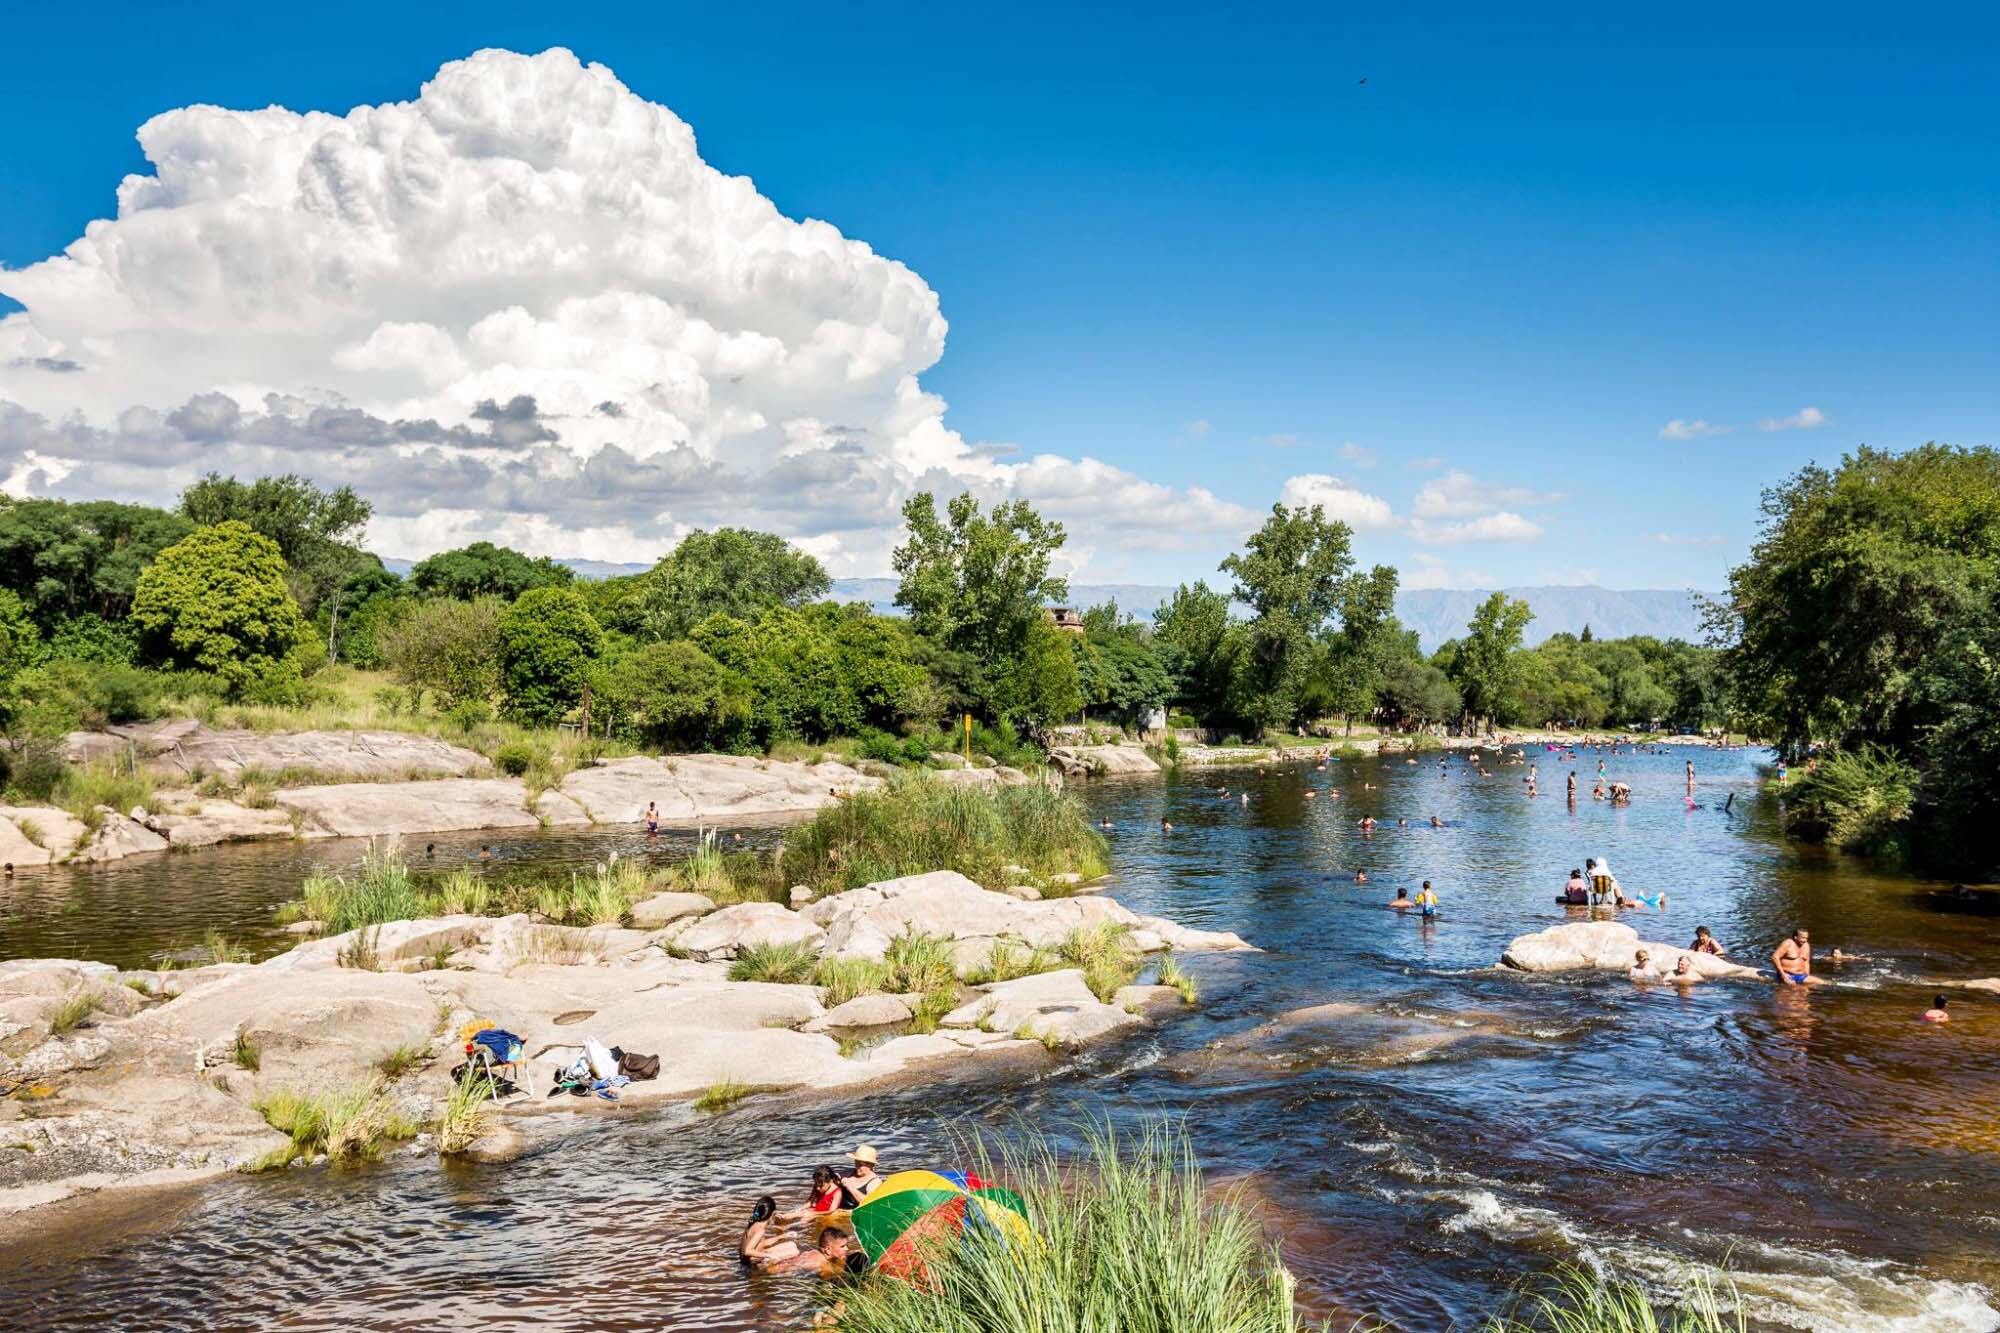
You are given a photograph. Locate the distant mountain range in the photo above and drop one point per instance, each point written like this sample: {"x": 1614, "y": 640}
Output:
{"x": 1436, "y": 614}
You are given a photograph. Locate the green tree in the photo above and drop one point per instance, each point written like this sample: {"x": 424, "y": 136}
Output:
{"x": 69, "y": 560}
{"x": 1415, "y": 693}
{"x": 485, "y": 570}
{"x": 217, "y": 601}
{"x": 317, "y": 531}
{"x": 675, "y": 696}
{"x": 1483, "y": 665}
{"x": 1358, "y": 655}
{"x": 448, "y": 649}
{"x": 1192, "y": 629}
{"x": 549, "y": 645}
{"x": 1293, "y": 573}
{"x": 977, "y": 582}
{"x": 732, "y": 572}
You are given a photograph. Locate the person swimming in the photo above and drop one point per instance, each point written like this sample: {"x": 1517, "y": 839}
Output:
{"x": 1642, "y": 967}
{"x": 1427, "y": 900}
{"x": 1705, "y": 942}
{"x": 1939, "y": 1011}
{"x": 1684, "y": 973}
{"x": 1793, "y": 959}
{"x": 1360, "y": 877}
{"x": 1576, "y": 892}
{"x": 1401, "y": 902}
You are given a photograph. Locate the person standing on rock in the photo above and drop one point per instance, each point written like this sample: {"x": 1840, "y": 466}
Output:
{"x": 652, "y": 817}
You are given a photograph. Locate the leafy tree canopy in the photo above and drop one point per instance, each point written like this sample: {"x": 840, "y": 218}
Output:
{"x": 485, "y": 570}
{"x": 731, "y": 572}
{"x": 217, "y": 601}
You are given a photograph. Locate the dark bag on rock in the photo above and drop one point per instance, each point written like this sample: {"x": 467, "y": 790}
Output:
{"x": 638, "y": 1067}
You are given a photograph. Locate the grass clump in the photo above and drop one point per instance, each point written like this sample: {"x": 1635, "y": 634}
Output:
{"x": 784, "y": 964}
{"x": 82, "y": 790}
{"x": 1576, "y": 1300}
{"x": 1171, "y": 975}
{"x": 350, "y": 1124}
{"x": 379, "y": 889}
{"x": 1010, "y": 960}
{"x": 246, "y": 1053}
{"x": 562, "y": 946}
{"x": 465, "y": 1114}
{"x": 1857, "y": 800}
{"x": 401, "y": 1061}
{"x": 359, "y": 952}
{"x": 1129, "y": 1237}
{"x": 721, "y": 1096}
{"x": 844, "y": 979}
{"x": 918, "y": 825}
{"x": 1105, "y": 954}
{"x": 72, "y": 1010}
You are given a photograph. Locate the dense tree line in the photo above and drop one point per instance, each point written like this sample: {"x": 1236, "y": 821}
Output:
{"x": 247, "y": 591}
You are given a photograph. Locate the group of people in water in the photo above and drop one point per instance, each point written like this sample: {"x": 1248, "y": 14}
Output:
{"x": 833, "y": 1251}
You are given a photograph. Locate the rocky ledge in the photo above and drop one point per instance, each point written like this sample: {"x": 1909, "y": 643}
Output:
{"x": 156, "y": 1081}
{"x": 687, "y": 789}
{"x": 1610, "y": 946}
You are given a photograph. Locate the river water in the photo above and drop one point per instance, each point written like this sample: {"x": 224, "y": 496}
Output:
{"x": 1435, "y": 1128}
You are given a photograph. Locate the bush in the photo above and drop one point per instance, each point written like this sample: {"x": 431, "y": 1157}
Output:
{"x": 1857, "y": 800}
{"x": 782, "y": 964}
{"x": 350, "y": 1124}
{"x": 548, "y": 643}
{"x": 919, "y": 825}
{"x": 468, "y": 714}
{"x": 514, "y": 758}
{"x": 217, "y": 600}
{"x": 35, "y": 768}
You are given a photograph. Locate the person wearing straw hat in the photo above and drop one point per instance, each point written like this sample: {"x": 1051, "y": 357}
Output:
{"x": 865, "y": 1177}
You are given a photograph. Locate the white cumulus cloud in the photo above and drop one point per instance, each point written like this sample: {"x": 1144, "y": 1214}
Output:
{"x": 1806, "y": 418}
{"x": 1459, "y": 495}
{"x": 1504, "y": 526}
{"x": 519, "y": 306}
{"x": 1696, "y": 429}
{"x": 1349, "y": 504}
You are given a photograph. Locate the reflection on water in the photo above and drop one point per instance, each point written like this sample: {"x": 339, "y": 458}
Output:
{"x": 131, "y": 913}
{"x": 1430, "y": 1130}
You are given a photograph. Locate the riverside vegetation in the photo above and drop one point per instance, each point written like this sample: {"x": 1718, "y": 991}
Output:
{"x": 253, "y": 605}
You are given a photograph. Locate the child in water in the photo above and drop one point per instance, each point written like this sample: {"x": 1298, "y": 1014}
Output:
{"x": 1938, "y": 1013}
{"x": 1427, "y": 901}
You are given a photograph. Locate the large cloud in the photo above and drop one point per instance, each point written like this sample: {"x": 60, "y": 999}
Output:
{"x": 520, "y": 306}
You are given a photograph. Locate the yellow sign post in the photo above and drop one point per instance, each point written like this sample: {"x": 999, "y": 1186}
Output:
{"x": 968, "y": 740}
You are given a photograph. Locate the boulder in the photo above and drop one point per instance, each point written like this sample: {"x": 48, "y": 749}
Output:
{"x": 665, "y": 908}
{"x": 728, "y": 931}
{"x": 1050, "y": 1005}
{"x": 117, "y": 838}
{"x": 1608, "y": 946}
{"x": 391, "y": 944}
{"x": 980, "y": 777}
{"x": 57, "y": 832}
{"x": 16, "y": 848}
{"x": 496, "y": 1147}
{"x": 1138, "y": 999}
{"x": 865, "y": 1011}
{"x": 1102, "y": 760}
{"x": 214, "y": 821}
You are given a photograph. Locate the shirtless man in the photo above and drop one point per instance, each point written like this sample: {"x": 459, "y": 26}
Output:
{"x": 827, "y": 1258}
{"x": 1401, "y": 902}
{"x": 1793, "y": 959}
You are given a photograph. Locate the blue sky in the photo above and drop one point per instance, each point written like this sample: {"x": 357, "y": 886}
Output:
{"x": 1197, "y": 247}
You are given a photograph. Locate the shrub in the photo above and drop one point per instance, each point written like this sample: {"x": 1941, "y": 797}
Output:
{"x": 1129, "y": 1237}
{"x": 548, "y": 641}
{"x": 468, "y": 714}
{"x": 246, "y": 1054}
{"x": 465, "y": 1114}
{"x": 1105, "y": 954}
{"x": 401, "y": 1061}
{"x": 514, "y": 758}
{"x": 1857, "y": 800}
{"x": 217, "y": 601}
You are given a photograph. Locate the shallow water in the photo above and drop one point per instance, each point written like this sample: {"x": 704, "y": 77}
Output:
{"x": 1438, "y": 1128}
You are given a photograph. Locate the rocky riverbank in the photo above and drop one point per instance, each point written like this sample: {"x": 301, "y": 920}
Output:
{"x": 117, "y": 1080}
{"x": 364, "y": 784}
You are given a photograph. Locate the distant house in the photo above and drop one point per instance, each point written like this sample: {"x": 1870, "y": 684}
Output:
{"x": 1066, "y": 618}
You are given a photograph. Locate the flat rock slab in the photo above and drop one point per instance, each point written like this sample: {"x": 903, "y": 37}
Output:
{"x": 192, "y": 750}
{"x": 664, "y": 908}
{"x": 1052, "y": 1005}
{"x": 57, "y": 832}
{"x": 693, "y": 788}
{"x": 865, "y": 1011}
{"x": 16, "y": 848}
{"x": 446, "y": 805}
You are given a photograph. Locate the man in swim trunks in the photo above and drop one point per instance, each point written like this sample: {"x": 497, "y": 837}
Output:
{"x": 1401, "y": 902}
{"x": 1793, "y": 959}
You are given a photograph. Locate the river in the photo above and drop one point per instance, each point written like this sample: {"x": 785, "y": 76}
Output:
{"x": 1440, "y": 1129}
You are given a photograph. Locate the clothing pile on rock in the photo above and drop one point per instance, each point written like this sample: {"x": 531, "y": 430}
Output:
{"x": 491, "y": 1053}
{"x": 601, "y": 1070}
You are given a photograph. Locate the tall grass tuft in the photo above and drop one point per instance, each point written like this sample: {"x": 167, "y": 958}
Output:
{"x": 1128, "y": 1237}
{"x": 71, "y": 1011}
{"x": 1171, "y": 975}
{"x": 919, "y": 824}
{"x": 350, "y": 1124}
{"x": 1009, "y": 960}
{"x": 721, "y": 1096}
{"x": 844, "y": 979}
{"x": 1576, "y": 1300}
{"x": 1105, "y": 954}
{"x": 785, "y": 964}
{"x": 465, "y": 1114}
{"x": 379, "y": 889}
